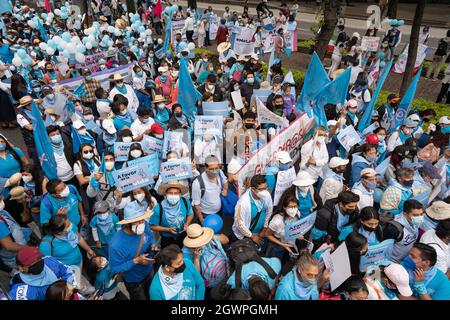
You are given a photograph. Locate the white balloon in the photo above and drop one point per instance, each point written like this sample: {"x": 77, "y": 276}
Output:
{"x": 43, "y": 45}
{"x": 76, "y": 39}
{"x": 81, "y": 58}
{"x": 110, "y": 43}
{"x": 31, "y": 23}
{"x": 57, "y": 39}
{"x": 191, "y": 46}
{"x": 111, "y": 29}
{"x": 71, "y": 47}
{"x": 62, "y": 45}
{"x": 17, "y": 61}
{"x": 88, "y": 45}
{"x": 50, "y": 51}
{"x": 57, "y": 12}
{"x": 50, "y": 15}
{"x": 91, "y": 38}
{"x": 117, "y": 33}
{"x": 148, "y": 32}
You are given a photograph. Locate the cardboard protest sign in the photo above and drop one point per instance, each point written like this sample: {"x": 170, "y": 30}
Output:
{"x": 370, "y": 43}
{"x": 130, "y": 178}
{"x": 215, "y": 108}
{"x": 243, "y": 41}
{"x": 262, "y": 94}
{"x": 176, "y": 170}
{"x": 172, "y": 141}
{"x": 208, "y": 124}
{"x": 377, "y": 254}
{"x": 152, "y": 161}
{"x": 121, "y": 150}
{"x": 151, "y": 145}
{"x": 338, "y": 263}
{"x": 237, "y": 99}
{"x": 284, "y": 181}
{"x": 348, "y": 137}
{"x": 300, "y": 227}
{"x": 265, "y": 115}
{"x": 400, "y": 65}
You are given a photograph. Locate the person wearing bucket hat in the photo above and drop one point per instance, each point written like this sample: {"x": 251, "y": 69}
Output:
{"x": 119, "y": 87}
{"x": 225, "y": 52}
{"x": 333, "y": 180}
{"x": 128, "y": 251}
{"x": 205, "y": 251}
{"x": 173, "y": 215}
{"x": 162, "y": 113}
{"x": 103, "y": 225}
{"x": 436, "y": 212}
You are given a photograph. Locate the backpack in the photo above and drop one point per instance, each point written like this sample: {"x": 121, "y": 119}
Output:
{"x": 48, "y": 204}
{"x": 399, "y": 228}
{"x": 161, "y": 211}
{"x": 214, "y": 265}
{"x": 242, "y": 252}
{"x": 442, "y": 48}
{"x": 202, "y": 184}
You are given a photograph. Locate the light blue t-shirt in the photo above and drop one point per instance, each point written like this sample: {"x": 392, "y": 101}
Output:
{"x": 438, "y": 288}
{"x": 61, "y": 250}
{"x": 10, "y": 165}
{"x": 105, "y": 232}
{"x": 181, "y": 210}
{"x": 255, "y": 269}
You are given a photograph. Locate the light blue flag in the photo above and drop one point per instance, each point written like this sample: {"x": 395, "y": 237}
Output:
{"x": 405, "y": 103}
{"x": 168, "y": 32}
{"x": 80, "y": 91}
{"x": 41, "y": 29}
{"x": 315, "y": 79}
{"x": 43, "y": 145}
{"x": 102, "y": 165}
{"x": 76, "y": 141}
{"x": 188, "y": 95}
{"x": 334, "y": 92}
{"x": 367, "y": 116}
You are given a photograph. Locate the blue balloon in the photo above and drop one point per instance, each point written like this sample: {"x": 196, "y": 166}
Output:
{"x": 44, "y": 16}
{"x": 94, "y": 44}
{"x": 141, "y": 29}
{"x": 66, "y": 53}
{"x": 213, "y": 221}
{"x": 22, "y": 53}
{"x": 52, "y": 44}
{"x": 85, "y": 40}
{"x": 27, "y": 60}
{"x": 66, "y": 37}
{"x": 80, "y": 48}
{"x": 64, "y": 16}
{"x": 182, "y": 45}
{"x": 64, "y": 9}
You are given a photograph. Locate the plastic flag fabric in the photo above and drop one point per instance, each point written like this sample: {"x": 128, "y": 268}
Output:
{"x": 76, "y": 141}
{"x": 43, "y": 145}
{"x": 405, "y": 103}
{"x": 367, "y": 116}
{"x": 188, "y": 95}
{"x": 334, "y": 92}
{"x": 315, "y": 79}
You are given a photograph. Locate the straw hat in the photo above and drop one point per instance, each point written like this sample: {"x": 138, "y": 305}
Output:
{"x": 26, "y": 100}
{"x": 439, "y": 210}
{"x": 172, "y": 184}
{"x": 103, "y": 18}
{"x": 197, "y": 236}
{"x": 17, "y": 193}
{"x": 133, "y": 212}
{"x": 303, "y": 179}
{"x": 14, "y": 179}
{"x": 224, "y": 46}
{"x": 159, "y": 98}
{"x": 120, "y": 24}
{"x": 117, "y": 77}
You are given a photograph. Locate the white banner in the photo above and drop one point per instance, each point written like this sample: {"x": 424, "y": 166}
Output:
{"x": 265, "y": 115}
{"x": 213, "y": 27}
{"x": 374, "y": 73}
{"x": 290, "y": 140}
{"x": 177, "y": 27}
{"x": 243, "y": 44}
{"x": 370, "y": 43}
{"x": 400, "y": 65}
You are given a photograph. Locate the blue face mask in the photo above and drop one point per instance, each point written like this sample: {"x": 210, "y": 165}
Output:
{"x": 56, "y": 139}
{"x": 445, "y": 130}
{"x": 408, "y": 263}
{"x": 140, "y": 73}
{"x": 2, "y": 146}
{"x": 88, "y": 78}
{"x": 371, "y": 185}
{"x": 284, "y": 166}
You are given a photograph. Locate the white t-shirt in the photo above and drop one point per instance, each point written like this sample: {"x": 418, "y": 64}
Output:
{"x": 63, "y": 169}
{"x": 442, "y": 249}
{"x": 138, "y": 128}
{"x": 210, "y": 203}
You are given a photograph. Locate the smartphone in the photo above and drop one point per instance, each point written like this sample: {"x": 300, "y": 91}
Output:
{"x": 152, "y": 254}
{"x": 100, "y": 291}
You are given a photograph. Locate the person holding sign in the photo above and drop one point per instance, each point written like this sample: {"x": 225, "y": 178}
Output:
{"x": 368, "y": 225}
{"x": 304, "y": 281}
{"x": 173, "y": 215}
{"x": 357, "y": 247}
{"x": 333, "y": 182}
{"x": 314, "y": 154}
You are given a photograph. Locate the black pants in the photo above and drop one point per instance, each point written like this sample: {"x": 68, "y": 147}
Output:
{"x": 444, "y": 90}
{"x": 178, "y": 240}
{"x": 158, "y": 28}
{"x": 207, "y": 41}
{"x": 189, "y": 35}
{"x": 139, "y": 290}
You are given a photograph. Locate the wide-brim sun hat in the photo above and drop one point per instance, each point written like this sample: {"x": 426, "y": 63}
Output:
{"x": 197, "y": 236}
{"x": 439, "y": 210}
{"x": 172, "y": 184}
{"x": 133, "y": 213}
{"x": 303, "y": 179}
{"x": 117, "y": 77}
{"x": 224, "y": 46}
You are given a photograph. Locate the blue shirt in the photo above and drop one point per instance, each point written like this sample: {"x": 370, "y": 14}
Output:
{"x": 183, "y": 213}
{"x": 6, "y": 54}
{"x": 438, "y": 288}
{"x": 255, "y": 269}
{"x": 122, "y": 250}
{"x": 10, "y": 165}
{"x": 286, "y": 289}
{"x": 120, "y": 124}
{"x": 102, "y": 236}
{"x": 103, "y": 278}
{"x": 193, "y": 285}
{"x": 61, "y": 250}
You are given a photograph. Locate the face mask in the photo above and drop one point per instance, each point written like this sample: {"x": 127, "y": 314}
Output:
{"x": 407, "y": 131}
{"x": 139, "y": 229}
{"x": 408, "y": 183}
{"x": 103, "y": 262}
{"x": 211, "y": 87}
{"x": 36, "y": 90}
{"x": 2, "y": 146}
{"x": 139, "y": 197}
{"x": 161, "y": 106}
{"x": 124, "y": 112}
{"x": 127, "y": 139}
{"x": 371, "y": 158}
{"x": 262, "y": 194}
{"x": 173, "y": 199}
{"x": 56, "y": 139}
{"x": 445, "y": 130}
{"x": 320, "y": 139}
{"x": 88, "y": 155}
{"x": 2, "y": 205}
{"x": 36, "y": 268}
{"x": 50, "y": 96}
{"x": 284, "y": 166}
{"x": 367, "y": 228}
{"x": 140, "y": 73}
{"x": 348, "y": 211}
{"x": 65, "y": 193}
{"x": 381, "y": 138}
{"x": 250, "y": 80}
{"x": 136, "y": 153}
{"x": 103, "y": 216}
{"x": 180, "y": 269}
{"x": 27, "y": 179}
{"x": 120, "y": 85}
{"x": 109, "y": 165}
{"x": 145, "y": 120}
{"x": 292, "y": 212}
{"x": 236, "y": 87}
{"x": 159, "y": 136}
{"x": 178, "y": 114}
{"x": 50, "y": 70}
{"x": 371, "y": 185}
{"x": 88, "y": 78}
{"x": 82, "y": 132}
{"x": 310, "y": 282}
{"x": 249, "y": 125}
{"x": 212, "y": 173}
{"x": 409, "y": 263}
{"x": 417, "y": 221}
{"x": 205, "y": 60}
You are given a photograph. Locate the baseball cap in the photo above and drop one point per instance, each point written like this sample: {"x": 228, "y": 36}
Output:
{"x": 410, "y": 123}
{"x": 372, "y": 138}
{"x": 336, "y": 162}
{"x": 77, "y": 124}
{"x": 444, "y": 120}
{"x": 156, "y": 128}
{"x": 283, "y": 157}
{"x": 28, "y": 255}
{"x": 101, "y": 207}
{"x": 108, "y": 125}
{"x": 332, "y": 122}
{"x": 369, "y": 172}
{"x": 400, "y": 277}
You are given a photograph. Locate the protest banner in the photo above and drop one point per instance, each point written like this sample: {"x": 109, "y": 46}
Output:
{"x": 243, "y": 41}
{"x": 294, "y": 230}
{"x": 400, "y": 65}
{"x": 374, "y": 73}
{"x": 370, "y": 43}
{"x": 177, "y": 27}
{"x": 176, "y": 170}
{"x": 92, "y": 61}
{"x": 121, "y": 150}
{"x": 215, "y": 108}
{"x": 348, "y": 137}
{"x": 377, "y": 254}
{"x": 338, "y": 263}
{"x": 151, "y": 145}
{"x": 213, "y": 26}
{"x": 130, "y": 178}
{"x": 237, "y": 99}
{"x": 172, "y": 142}
{"x": 262, "y": 94}
{"x": 152, "y": 161}
{"x": 284, "y": 181}
{"x": 265, "y": 115}
{"x": 290, "y": 140}
{"x": 208, "y": 124}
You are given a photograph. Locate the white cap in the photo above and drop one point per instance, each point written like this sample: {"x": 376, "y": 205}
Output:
{"x": 400, "y": 277}
{"x": 357, "y": 35}
{"x": 444, "y": 120}
{"x": 414, "y": 117}
{"x": 332, "y": 122}
{"x": 352, "y": 103}
{"x": 336, "y": 162}
{"x": 283, "y": 157}
{"x": 369, "y": 172}
{"x": 108, "y": 125}
{"x": 163, "y": 69}
{"x": 77, "y": 124}
{"x": 303, "y": 179}
{"x": 233, "y": 166}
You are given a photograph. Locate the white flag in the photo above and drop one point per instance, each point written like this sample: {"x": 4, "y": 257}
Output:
{"x": 265, "y": 115}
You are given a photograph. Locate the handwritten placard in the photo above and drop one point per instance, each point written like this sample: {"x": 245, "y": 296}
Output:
{"x": 208, "y": 124}
{"x": 298, "y": 228}
{"x": 130, "y": 178}
{"x": 176, "y": 170}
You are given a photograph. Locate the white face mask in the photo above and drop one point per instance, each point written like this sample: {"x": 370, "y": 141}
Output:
{"x": 381, "y": 138}
{"x": 2, "y": 205}
{"x": 161, "y": 106}
{"x": 173, "y": 199}
{"x": 138, "y": 229}
{"x": 136, "y": 153}
{"x": 109, "y": 165}
{"x": 139, "y": 197}
{"x": 50, "y": 96}
{"x": 65, "y": 193}
{"x": 159, "y": 136}
{"x": 292, "y": 212}
{"x": 127, "y": 139}
{"x": 88, "y": 155}
{"x": 103, "y": 262}
{"x": 262, "y": 194}
{"x": 82, "y": 132}
{"x": 320, "y": 139}
{"x": 103, "y": 216}
{"x": 27, "y": 179}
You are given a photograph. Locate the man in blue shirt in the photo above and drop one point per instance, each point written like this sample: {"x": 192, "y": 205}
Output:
{"x": 128, "y": 251}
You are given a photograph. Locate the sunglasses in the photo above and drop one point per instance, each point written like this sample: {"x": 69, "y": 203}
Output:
{"x": 88, "y": 151}
{"x": 120, "y": 81}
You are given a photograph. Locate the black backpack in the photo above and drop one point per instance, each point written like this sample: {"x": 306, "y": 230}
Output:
{"x": 442, "y": 48}
{"x": 242, "y": 252}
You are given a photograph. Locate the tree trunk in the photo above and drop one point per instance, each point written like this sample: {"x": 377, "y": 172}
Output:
{"x": 192, "y": 4}
{"x": 330, "y": 9}
{"x": 392, "y": 9}
{"x": 413, "y": 45}
{"x": 131, "y": 6}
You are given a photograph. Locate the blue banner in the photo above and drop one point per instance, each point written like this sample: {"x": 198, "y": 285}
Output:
{"x": 377, "y": 254}
{"x": 215, "y": 108}
{"x": 294, "y": 230}
{"x": 152, "y": 161}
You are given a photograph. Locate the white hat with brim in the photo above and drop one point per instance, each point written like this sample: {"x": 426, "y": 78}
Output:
{"x": 159, "y": 98}
{"x": 439, "y": 210}
{"x": 444, "y": 120}
{"x": 109, "y": 127}
{"x": 198, "y": 236}
{"x": 117, "y": 77}
{"x": 224, "y": 46}
{"x": 337, "y": 161}
{"x": 400, "y": 277}
{"x": 283, "y": 157}
{"x": 303, "y": 179}
{"x": 133, "y": 213}
{"x": 265, "y": 85}
{"x": 17, "y": 193}
{"x": 172, "y": 184}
